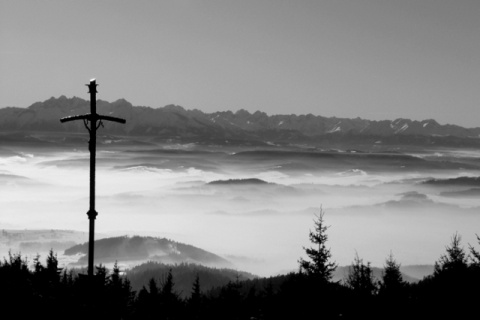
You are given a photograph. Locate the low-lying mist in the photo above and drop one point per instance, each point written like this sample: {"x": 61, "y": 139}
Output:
{"x": 254, "y": 208}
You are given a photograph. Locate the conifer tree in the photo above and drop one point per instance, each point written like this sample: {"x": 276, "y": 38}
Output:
{"x": 196, "y": 293}
{"x": 195, "y": 301}
{"x": 169, "y": 300}
{"x": 37, "y": 265}
{"x": 360, "y": 278}
{"x": 167, "y": 287}
{"x": 119, "y": 294}
{"x": 52, "y": 269}
{"x": 320, "y": 264}
{"x": 454, "y": 261}
{"x": 153, "y": 289}
{"x": 453, "y": 283}
{"x": 475, "y": 255}
{"x": 392, "y": 279}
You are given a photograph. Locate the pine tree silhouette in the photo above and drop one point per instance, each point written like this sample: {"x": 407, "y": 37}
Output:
{"x": 320, "y": 264}
{"x": 360, "y": 278}
{"x": 392, "y": 279}
{"x": 454, "y": 261}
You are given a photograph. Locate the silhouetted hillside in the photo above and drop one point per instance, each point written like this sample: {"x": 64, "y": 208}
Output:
{"x": 184, "y": 275}
{"x": 146, "y": 249}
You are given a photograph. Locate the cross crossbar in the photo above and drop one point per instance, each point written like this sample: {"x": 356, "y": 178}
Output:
{"x": 89, "y": 117}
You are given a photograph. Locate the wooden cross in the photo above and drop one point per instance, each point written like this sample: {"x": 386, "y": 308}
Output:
{"x": 95, "y": 121}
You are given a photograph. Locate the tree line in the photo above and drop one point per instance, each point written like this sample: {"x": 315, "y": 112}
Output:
{"x": 51, "y": 292}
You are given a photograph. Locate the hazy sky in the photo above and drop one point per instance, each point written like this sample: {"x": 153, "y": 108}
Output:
{"x": 376, "y": 59}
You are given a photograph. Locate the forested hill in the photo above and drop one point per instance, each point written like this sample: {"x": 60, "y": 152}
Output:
{"x": 138, "y": 248}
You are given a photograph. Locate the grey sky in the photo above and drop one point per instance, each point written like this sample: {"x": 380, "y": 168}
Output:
{"x": 376, "y": 59}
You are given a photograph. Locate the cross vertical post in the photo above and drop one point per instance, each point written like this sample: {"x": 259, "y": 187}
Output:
{"x": 92, "y": 146}
{"x": 92, "y": 118}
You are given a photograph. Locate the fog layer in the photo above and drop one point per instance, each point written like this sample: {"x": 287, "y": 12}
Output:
{"x": 374, "y": 203}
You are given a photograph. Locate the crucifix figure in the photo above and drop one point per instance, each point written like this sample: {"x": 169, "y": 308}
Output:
{"x": 95, "y": 121}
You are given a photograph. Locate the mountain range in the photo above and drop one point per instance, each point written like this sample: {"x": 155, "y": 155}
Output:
{"x": 175, "y": 122}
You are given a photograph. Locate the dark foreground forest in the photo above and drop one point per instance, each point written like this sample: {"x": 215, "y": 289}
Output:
{"x": 49, "y": 292}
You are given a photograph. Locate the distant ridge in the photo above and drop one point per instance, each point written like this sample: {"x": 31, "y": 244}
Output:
{"x": 175, "y": 122}
{"x": 460, "y": 181}
{"x": 238, "y": 181}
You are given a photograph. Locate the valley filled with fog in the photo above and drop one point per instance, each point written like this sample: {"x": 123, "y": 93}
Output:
{"x": 252, "y": 206}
